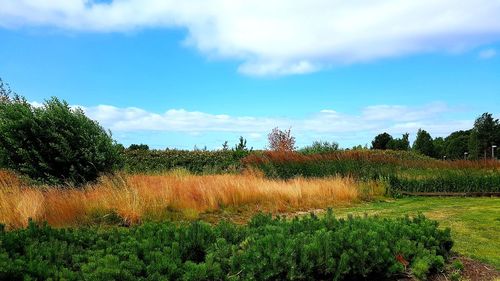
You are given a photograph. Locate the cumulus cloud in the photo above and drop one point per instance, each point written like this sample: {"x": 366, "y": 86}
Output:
{"x": 281, "y": 37}
{"x": 372, "y": 119}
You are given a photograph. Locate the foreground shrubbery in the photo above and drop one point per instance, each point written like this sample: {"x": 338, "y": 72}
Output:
{"x": 266, "y": 249}
{"x": 151, "y": 161}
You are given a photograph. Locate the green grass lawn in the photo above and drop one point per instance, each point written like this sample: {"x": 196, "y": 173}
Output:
{"x": 475, "y": 222}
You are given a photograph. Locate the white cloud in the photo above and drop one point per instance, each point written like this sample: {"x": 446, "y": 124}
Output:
{"x": 371, "y": 120}
{"x": 487, "y": 54}
{"x": 281, "y": 37}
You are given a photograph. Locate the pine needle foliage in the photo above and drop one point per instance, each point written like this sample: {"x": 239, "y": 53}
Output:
{"x": 309, "y": 248}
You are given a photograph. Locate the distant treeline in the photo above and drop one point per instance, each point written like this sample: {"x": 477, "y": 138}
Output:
{"x": 476, "y": 143}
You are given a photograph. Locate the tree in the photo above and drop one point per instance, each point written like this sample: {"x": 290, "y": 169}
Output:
{"x": 473, "y": 145}
{"x": 381, "y": 141}
{"x": 424, "y": 144}
{"x": 487, "y": 131}
{"x": 225, "y": 146}
{"x": 54, "y": 144}
{"x": 439, "y": 145}
{"x": 138, "y": 147}
{"x": 456, "y": 144}
{"x": 5, "y": 92}
{"x": 320, "y": 147}
{"x": 399, "y": 144}
{"x": 281, "y": 140}
{"x": 242, "y": 144}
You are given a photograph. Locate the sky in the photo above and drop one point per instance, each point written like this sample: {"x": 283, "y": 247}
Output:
{"x": 180, "y": 74}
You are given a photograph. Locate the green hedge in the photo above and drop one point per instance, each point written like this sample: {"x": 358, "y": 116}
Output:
{"x": 150, "y": 161}
{"x": 401, "y": 170}
{"x": 445, "y": 181}
{"x": 310, "y": 248}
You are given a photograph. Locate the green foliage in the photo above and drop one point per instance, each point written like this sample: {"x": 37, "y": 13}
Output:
{"x": 381, "y": 141}
{"x": 399, "y": 144}
{"x": 309, "y": 248}
{"x": 54, "y": 143}
{"x": 458, "y": 265}
{"x": 457, "y": 144}
{"x": 445, "y": 180}
{"x": 424, "y": 144}
{"x": 363, "y": 164}
{"x": 404, "y": 171}
{"x": 242, "y": 145}
{"x": 320, "y": 147}
{"x": 198, "y": 161}
{"x": 138, "y": 147}
{"x": 473, "y": 145}
{"x": 487, "y": 132}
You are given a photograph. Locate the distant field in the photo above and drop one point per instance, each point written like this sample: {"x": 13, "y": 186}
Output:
{"x": 474, "y": 222}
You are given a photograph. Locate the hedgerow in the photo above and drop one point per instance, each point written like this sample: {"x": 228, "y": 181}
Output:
{"x": 151, "y": 161}
{"x": 309, "y": 248}
{"x": 404, "y": 171}
{"x": 445, "y": 180}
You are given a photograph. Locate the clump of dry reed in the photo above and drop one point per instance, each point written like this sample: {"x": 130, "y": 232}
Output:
{"x": 136, "y": 197}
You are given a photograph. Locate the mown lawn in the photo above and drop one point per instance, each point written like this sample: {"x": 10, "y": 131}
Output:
{"x": 475, "y": 222}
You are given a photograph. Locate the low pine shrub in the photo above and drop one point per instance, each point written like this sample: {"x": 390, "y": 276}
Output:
{"x": 309, "y": 248}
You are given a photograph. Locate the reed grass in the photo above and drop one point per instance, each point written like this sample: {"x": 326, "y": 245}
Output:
{"x": 135, "y": 198}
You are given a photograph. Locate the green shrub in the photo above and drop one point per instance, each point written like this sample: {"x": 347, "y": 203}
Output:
{"x": 445, "y": 180}
{"x": 308, "y": 248}
{"x": 320, "y": 147}
{"x": 198, "y": 161}
{"x": 54, "y": 143}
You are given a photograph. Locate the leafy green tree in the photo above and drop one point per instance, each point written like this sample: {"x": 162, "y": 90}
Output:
{"x": 138, "y": 147}
{"x": 381, "y": 141}
{"x": 320, "y": 147}
{"x": 487, "y": 131}
{"x": 400, "y": 144}
{"x": 457, "y": 143}
{"x": 424, "y": 144}
{"x": 54, "y": 144}
{"x": 439, "y": 145}
{"x": 473, "y": 145}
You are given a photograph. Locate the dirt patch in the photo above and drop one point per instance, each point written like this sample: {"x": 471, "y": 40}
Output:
{"x": 472, "y": 270}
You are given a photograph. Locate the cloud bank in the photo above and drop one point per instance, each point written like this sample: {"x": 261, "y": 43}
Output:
{"x": 371, "y": 120}
{"x": 281, "y": 37}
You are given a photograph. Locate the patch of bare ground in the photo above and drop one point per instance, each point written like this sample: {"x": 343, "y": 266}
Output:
{"x": 476, "y": 271}
{"x": 473, "y": 270}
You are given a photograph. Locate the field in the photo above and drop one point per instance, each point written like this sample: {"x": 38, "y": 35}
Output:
{"x": 170, "y": 192}
{"x": 133, "y": 198}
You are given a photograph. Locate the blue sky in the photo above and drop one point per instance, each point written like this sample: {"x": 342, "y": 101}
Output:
{"x": 179, "y": 77}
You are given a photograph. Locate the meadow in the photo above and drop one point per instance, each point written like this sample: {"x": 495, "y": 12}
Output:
{"x": 207, "y": 202}
{"x": 133, "y": 198}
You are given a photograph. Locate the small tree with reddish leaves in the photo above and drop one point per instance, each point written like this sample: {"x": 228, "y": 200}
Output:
{"x": 281, "y": 140}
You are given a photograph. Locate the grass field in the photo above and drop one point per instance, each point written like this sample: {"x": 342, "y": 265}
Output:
{"x": 475, "y": 222}
{"x": 132, "y": 199}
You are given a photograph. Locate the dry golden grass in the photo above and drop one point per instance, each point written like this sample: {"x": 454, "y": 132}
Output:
{"x": 137, "y": 197}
